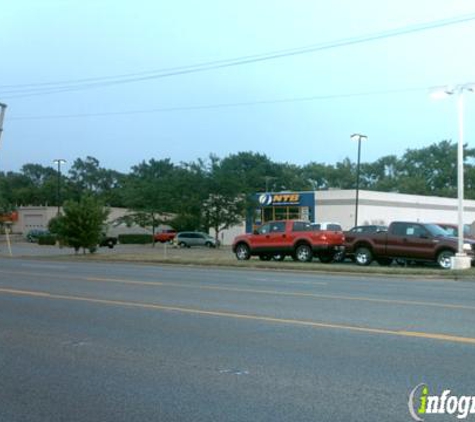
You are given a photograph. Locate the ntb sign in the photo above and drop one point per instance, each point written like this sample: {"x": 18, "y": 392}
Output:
{"x": 268, "y": 199}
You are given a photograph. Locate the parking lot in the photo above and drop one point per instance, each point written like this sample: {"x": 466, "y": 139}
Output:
{"x": 223, "y": 256}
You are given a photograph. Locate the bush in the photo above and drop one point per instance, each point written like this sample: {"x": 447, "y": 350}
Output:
{"x": 47, "y": 240}
{"x": 80, "y": 225}
{"x": 135, "y": 239}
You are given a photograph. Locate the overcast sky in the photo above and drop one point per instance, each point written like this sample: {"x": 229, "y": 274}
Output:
{"x": 63, "y": 41}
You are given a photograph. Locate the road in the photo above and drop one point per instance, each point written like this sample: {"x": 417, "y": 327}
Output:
{"x": 118, "y": 342}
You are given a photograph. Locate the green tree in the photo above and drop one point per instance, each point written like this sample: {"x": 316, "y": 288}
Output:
{"x": 252, "y": 171}
{"x": 226, "y": 196}
{"x": 87, "y": 176}
{"x": 81, "y": 224}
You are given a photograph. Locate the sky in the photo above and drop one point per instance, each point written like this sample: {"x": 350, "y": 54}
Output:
{"x": 59, "y": 57}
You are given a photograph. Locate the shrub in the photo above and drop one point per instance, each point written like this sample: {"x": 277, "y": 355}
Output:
{"x": 47, "y": 240}
{"x": 135, "y": 239}
{"x": 81, "y": 224}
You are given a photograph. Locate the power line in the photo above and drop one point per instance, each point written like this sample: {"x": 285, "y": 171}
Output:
{"x": 224, "y": 105}
{"x": 33, "y": 89}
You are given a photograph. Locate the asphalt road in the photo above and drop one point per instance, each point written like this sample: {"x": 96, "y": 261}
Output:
{"x": 117, "y": 342}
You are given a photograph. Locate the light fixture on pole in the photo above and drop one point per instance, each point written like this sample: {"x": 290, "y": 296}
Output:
{"x": 3, "y": 107}
{"x": 59, "y": 161}
{"x": 461, "y": 260}
{"x": 358, "y": 137}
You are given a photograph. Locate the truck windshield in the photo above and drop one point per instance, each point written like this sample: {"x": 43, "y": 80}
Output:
{"x": 436, "y": 230}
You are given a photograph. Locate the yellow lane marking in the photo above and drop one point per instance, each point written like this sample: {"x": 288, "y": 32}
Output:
{"x": 78, "y": 278}
{"x": 296, "y": 294}
{"x": 257, "y": 291}
{"x": 302, "y": 323}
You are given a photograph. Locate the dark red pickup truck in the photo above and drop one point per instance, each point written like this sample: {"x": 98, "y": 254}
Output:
{"x": 277, "y": 239}
{"x": 405, "y": 241}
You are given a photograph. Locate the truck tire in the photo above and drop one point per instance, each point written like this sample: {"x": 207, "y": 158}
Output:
{"x": 340, "y": 256}
{"x": 242, "y": 252}
{"x": 303, "y": 253}
{"x": 443, "y": 259}
{"x": 363, "y": 256}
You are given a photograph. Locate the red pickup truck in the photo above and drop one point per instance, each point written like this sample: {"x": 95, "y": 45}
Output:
{"x": 166, "y": 235}
{"x": 277, "y": 239}
{"x": 405, "y": 241}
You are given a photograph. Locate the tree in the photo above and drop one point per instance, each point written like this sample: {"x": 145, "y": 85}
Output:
{"x": 225, "y": 203}
{"x": 221, "y": 212}
{"x": 430, "y": 171}
{"x": 81, "y": 224}
{"x": 87, "y": 176}
{"x": 251, "y": 170}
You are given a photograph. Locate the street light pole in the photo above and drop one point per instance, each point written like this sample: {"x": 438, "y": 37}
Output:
{"x": 59, "y": 161}
{"x": 460, "y": 175}
{"x": 358, "y": 137}
{"x": 461, "y": 260}
{"x": 3, "y": 107}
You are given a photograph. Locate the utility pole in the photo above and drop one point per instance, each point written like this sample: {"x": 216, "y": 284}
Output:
{"x": 59, "y": 161}
{"x": 3, "y": 107}
{"x": 358, "y": 137}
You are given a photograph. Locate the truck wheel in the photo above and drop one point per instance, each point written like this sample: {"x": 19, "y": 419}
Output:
{"x": 384, "y": 262}
{"x": 340, "y": 256}
{"x": 443, "y": 259}
{"x": 110, "y": 244}
{"x": 242, "y": 252}
{"x": 363, "y": 256}
{"x": 303, "y": 253}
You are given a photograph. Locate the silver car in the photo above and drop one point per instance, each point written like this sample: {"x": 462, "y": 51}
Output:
{"x": 189, "y": 239}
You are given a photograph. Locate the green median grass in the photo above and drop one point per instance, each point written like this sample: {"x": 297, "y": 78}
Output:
{"x": 223, "y": 257}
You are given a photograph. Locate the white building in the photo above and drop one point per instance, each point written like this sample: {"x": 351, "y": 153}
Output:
{"x": 383, "y": 208}
{"x": 339, "y": 206}
{"x": 37, "y": 217}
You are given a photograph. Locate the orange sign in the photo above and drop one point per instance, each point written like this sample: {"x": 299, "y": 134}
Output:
{"x": 12, "y": 216}
{"x": 291, "y": 197}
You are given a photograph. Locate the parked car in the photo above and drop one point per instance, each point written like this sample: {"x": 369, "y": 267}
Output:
{"x": 334, "y": 227}
{"x": 410, "y": 241}
{"x": 108, "y": 241}
{"x": 339, "y": 256}
{"x": 372, "y": 228}
{"x": 166, "y": 235}
{"x": 453, "y": 230}
{"x": 299, "y": 239}
{"x": 189, "y": 239}
{"x": 34, "y": 234}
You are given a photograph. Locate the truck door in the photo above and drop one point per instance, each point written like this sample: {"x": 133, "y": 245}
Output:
{"x": 278, "y": 238}
{"x": 410, "y": 240}
{"x": 260, "y": 241}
